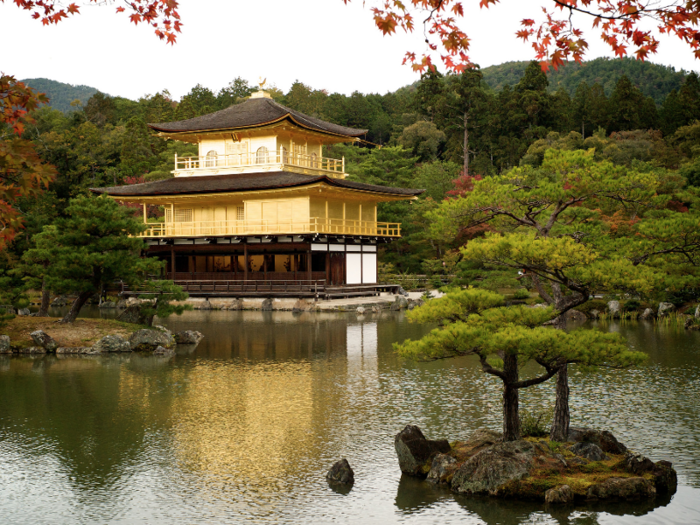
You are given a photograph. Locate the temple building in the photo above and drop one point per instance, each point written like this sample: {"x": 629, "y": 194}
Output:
{"x": 261, "y": 203}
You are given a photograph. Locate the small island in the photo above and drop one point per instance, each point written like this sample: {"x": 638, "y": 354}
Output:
{"x": 591, "y": 466}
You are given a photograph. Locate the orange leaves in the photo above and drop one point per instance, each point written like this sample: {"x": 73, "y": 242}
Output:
{"x": 22, "y": 174}
{"x": 162, "y": 15}
{"x": 554, "y": 37}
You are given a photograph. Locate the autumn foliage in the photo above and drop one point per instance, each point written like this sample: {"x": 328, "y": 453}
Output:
{"x": 627, "y": 26}
{"x": 22, "y": 173}
{"x": 162, "y": 15}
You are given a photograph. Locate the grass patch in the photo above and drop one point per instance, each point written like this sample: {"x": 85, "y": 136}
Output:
{"x": 83, "y": 332}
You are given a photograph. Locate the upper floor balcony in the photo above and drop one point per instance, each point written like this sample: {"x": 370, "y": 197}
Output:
{"x": 260, "y": 160}
{"x": 269, "y": 227}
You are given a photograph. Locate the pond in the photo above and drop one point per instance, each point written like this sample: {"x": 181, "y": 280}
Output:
{"x": 244, "y": 428}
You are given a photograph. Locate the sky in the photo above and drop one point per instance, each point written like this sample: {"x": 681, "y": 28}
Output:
{"x": 323, "y": 43}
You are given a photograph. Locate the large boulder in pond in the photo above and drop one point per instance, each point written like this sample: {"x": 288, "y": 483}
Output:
{"x": 400, "y": 303}
{"x": 5, "y": 347}
{"x": 487, "y": 471}
{"x": 665, "y": 309}
{"x": 614, "y": 309}
{"x": 108, "y": 305}
{"x": 112, "y": 343}
{"x": 148, "y": 340}
{"x": 266, "y": 305}
{"x": 604, "y": 439}
{"x": 624, "y": 489}
{"x": 44, "y": 340}
{"x": 341, "y": 473}
{"x": 188, "y": 337}
{"x": 415, "y": 452}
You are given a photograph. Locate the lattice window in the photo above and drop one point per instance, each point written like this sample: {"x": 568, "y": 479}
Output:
{"x": 261, "y": 155}
{"x": 284, "y": 155}
{"x": 183, "y": 215}
{"x": 211, "y": 159}
{"x": 237, "y": 152}
{"x": 240, "y": 213}
{"x": 314, "y": 160}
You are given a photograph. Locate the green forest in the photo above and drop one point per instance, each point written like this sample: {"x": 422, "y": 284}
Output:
{"x": 440, "y": 134}
{"x": 63, "y": 96}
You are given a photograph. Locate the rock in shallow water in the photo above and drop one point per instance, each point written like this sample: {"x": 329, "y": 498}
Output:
{"x": 442, "y": 469}
{"x": 149, "y": 340}
{"x": 160, "y": 350}
{"x": 341, "y": 473}
{"x": 44, "y": 340}
{"x": 559, "y": 495}
{"x": 627, "y": 489}
{"x": 112, "y": 343}
{"x": 5, "y": 344}
{"x": 188, "y": 337}
{"x": 415, "y": 451}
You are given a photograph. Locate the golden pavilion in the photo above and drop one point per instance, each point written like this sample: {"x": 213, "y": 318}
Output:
{"x": 261, "y": 204}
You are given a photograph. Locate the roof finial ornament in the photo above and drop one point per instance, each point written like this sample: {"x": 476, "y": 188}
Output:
{"x": 261, "y": 93}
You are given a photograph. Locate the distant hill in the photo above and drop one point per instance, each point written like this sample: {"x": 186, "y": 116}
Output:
{"x": 653, "y": 80}
{"x": 60, "y": 94}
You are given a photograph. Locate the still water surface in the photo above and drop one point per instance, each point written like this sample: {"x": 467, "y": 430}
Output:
{"x": 243, "y": 428}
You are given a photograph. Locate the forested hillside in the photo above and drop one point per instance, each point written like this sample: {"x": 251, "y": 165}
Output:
{"x": 439, "y": 134}
{"x": 654, "y": 80}
{"x": 61, "y": 94}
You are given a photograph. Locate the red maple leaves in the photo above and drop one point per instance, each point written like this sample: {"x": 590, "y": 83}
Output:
{"x": 162, "y": 15}
{"x": 627, "y": 26}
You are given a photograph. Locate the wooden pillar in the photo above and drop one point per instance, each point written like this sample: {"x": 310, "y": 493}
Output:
{"x": 328, "y": 266}
{"x": 172, "y": 261}
{"x": 308, "y": 262}
{"x": 245, "y": 261}
{"x": 145, "y": 215}
{"x": 265, "y": 264}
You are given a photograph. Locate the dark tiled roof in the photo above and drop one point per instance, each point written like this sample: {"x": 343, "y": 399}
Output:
{"x": 242, "y": 182}
{"x": 253, "y": 112}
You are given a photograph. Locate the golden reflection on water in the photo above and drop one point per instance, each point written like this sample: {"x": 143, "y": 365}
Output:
{"x": 245, "y": 422}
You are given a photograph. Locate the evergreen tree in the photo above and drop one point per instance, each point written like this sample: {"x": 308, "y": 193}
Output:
{"x": 626, "y": 103}
{"x": 95, "y": 245}
{"x": 505, "y": 339}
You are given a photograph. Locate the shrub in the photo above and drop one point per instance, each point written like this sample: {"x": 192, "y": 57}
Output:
{"x": 632, "y": 305}
{"x": 536, "y": 424}
{"x": 521, "y": 294}
{"x": 595, "y": 304}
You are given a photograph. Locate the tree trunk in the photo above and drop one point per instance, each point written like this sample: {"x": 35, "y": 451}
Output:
{"x": 560, "y": 424}
{"x": 466, "y": 143}
{"x": 511, "y": 417}
{"x": 75, "y": 307}
{"x": 45, "y": 301}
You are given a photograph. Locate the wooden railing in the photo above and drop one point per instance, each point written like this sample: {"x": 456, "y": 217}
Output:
{"x": 260, "y": 159}
{"x": 266, "y": 227}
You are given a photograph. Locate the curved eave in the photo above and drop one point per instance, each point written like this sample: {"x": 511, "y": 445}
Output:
{"x": 288, "y": 116}
{"x": 331, "y": 184}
